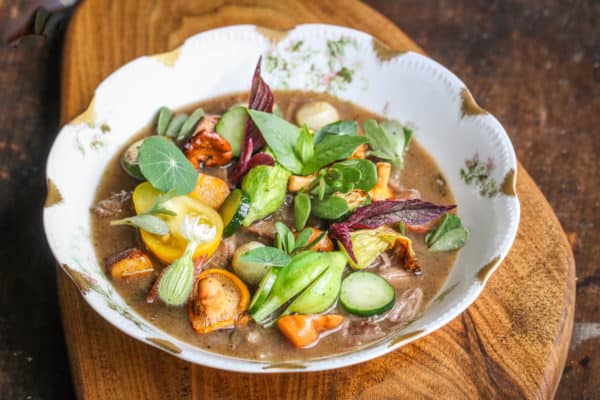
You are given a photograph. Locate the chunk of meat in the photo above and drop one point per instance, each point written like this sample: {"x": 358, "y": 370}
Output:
{"x": 222, "y": 257}
{"x": 406, "y": 307}
{"x": 208, "y": 123}
{"x": 394, "y": 274}
{"x": 361, "y": 331}
{"x": 263, "y": 229}
{"x": 113, "y": 206}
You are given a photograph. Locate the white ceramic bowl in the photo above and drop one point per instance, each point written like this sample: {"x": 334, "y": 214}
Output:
{"x": 350, "y": 64}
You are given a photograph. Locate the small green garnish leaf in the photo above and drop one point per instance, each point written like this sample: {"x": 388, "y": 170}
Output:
{"x": 332, "y": 208}
{"x": 267, "y": 256}
{"x": 162, "y": 122}
{"x": 303, "y": 238}
{"x": 301, "y": 210}
{"x": 330, "y": 149}
{"x": 190, "y": 124}
{"x": 388, "y": 140}
{"x": 149, "y": 223}
{"x": 175, "y": 125}
{"x": 305, "y": 147}
{"x": 284, "y": 238}
{"x": 339, "y": 128}
{"x": 281, "y": 137}
{"x": 165, "y": 166}
{"x": 158, "y": 207}
{"x": 449, "y": 234}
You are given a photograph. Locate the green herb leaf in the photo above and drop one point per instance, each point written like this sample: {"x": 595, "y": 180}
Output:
{"x": 368, "y": 172}
{"x": 267, "y": 256}
{"x": 281, "y": 231}
{"x": 330, "y": 149}
{"x": 451, "y": 240}
{"x": 190, "y": 124}
{"x": 281, "y": 137}
{"x": 301, "y": 210}
{"x": 303, "y": 238}
{"x": 332, "y": 208}
{"x": 164, "y": 117}
{"x": 158, "y": 207}
{"x": 165, "y": 166}
{"x": 149, "y": 223}
{"x": 388, "y": 140}
{"x": 305, "y": 147}
{"x": 175, "y": 125}
{"x": 339, "y": 128}
{"x": 449, "y": 234}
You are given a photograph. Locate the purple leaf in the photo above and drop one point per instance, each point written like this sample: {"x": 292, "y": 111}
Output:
{"x": 261, "y": 99}
{"x": 412, "y": 213}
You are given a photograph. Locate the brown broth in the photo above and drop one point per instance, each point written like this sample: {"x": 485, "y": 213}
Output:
{"x": 420, "y": 172}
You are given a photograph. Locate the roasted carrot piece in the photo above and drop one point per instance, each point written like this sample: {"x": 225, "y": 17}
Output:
{"x": 129, "y": 263}
{"x": 304, "y": 330}
{"x": 381, "y": 190}
{"x": 210, "y": 190}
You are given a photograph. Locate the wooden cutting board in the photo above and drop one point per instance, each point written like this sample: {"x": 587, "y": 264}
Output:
{"x": 511, "y": 343}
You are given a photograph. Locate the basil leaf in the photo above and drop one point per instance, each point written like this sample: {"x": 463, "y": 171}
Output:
{"x": 451, "y": 240}
{"x": 330, "y": 149}
{"x": 281, "y": 136}
{"x": 149, "y": 223}
{"x": 339, "y": 128}
{"x": 368, "y": 171}
{"x": 388, "y": 140}
{"x": 448, "y": 222}
{"x": 165, "y": 166}
{"x": 267, "y": 256}
{"x": 301, "y": 210}
{"x": 332, "y": 208}
{"x": 304, "y": 147}
{"x": 303, "y": 238}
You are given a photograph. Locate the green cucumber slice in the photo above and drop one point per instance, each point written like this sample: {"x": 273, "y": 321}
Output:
{"x": 231, "y": 126}
{"x": 233, "y": 211}
{"x": 130, "y": 162}
{"x": 263, "y": 289}
{"x": 366, "y": 293}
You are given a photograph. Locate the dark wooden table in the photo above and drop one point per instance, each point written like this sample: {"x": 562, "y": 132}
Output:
{"x": 535, "y": 65}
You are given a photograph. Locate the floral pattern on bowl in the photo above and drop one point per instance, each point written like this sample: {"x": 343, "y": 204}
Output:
{"x": 352, "y": 65}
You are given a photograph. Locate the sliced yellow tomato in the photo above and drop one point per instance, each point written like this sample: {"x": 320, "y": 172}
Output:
{"x": 210, "y": 190}
{"x": 171, "y": 246}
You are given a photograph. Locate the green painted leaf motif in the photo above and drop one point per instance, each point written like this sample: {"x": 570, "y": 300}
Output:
{"x": 339, "y": 128}
{"x": 266, "y": 255}
{"x": 165, "y": 166}
{"x": 281, "y": 137}
{"x": 330, "y": 149}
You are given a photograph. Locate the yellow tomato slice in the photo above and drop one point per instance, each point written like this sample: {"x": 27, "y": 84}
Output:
{"x": 170, "y": 247}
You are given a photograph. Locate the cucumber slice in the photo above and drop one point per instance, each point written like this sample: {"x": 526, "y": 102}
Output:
{"x": 263, "y": 289}
{"x": 365, "y": 294}
{"x": 129, "y": 160}
{"x": 233, "y": 211}
{"x": 231, "y": 126}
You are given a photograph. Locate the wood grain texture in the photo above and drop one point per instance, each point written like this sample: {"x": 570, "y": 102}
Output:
{"x": 511, "y": 343}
